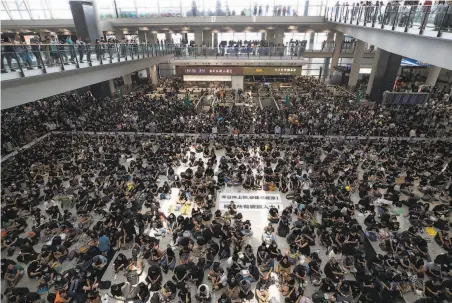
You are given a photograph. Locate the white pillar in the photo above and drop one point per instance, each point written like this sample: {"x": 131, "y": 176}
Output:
{"x": 433, "y": 73}
{"x": 337, "y": 51}
{"x": 154, "y": 77}
{"x": 356, "y": 65}
{"x": 374, "y": 70}
{"x": 198, "y": 38}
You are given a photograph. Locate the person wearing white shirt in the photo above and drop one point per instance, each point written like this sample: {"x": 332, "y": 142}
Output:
{"x": 203, "y": 293}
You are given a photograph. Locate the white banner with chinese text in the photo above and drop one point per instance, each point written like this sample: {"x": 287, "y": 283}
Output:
{"x": 250, "y": 201}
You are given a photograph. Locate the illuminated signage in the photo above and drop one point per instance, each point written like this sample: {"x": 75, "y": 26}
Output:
{"x": 209, "y": 70}
{"x": 272, "y": 71}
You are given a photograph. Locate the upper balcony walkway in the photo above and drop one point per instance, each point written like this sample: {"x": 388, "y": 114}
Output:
{"x": 40, "y": 71}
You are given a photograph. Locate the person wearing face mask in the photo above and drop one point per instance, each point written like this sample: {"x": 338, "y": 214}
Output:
{"x": 61, "y": 283}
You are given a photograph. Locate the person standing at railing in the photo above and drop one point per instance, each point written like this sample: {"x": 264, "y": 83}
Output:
{"x": 337, "y": 8}
{"x": 426, "y": 9}
{"x": 81, "y": 48}
{"x": 70, "y": 45}
{"x": 440, "y": 12}
{"x": 62, "y": 51}
{"x": 260, "y": 10}
{"x": 22, "y": 50}
{"x": 54, "y": 49}
{"x": 35, "y": 49}
{"x": 8, "y": 54}
{"x": 267, "y": 7}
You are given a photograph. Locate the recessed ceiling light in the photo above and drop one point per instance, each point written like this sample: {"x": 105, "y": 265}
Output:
{"x": 292, "y": 27}
{"x": 206, "y": 28}
{"x": 270, "y": 27}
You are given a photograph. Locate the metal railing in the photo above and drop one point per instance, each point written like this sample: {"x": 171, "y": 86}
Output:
{"x": 260, "y": 52}
{"x": 21, "y": 60}
{"x": 428, "y": 20}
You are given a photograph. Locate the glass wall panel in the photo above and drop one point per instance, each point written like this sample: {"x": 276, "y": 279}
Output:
{"x": 106, "y": 8}
{"x": 147, "y": 8}
{"x": 126, "y": 8}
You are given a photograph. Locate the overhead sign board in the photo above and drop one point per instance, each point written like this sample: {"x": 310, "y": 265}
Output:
{"x": 272, "y": 71}
{"x": 209, "y": 70}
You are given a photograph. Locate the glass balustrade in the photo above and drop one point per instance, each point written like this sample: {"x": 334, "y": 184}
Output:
{"x": 259, "y": 52}
{"x": 427, "y": 20}
{"x": 23, "y": 60}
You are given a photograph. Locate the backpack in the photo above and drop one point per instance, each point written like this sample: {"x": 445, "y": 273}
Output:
{"x": 116, "y": 290}
{"x": 104, "y": 284}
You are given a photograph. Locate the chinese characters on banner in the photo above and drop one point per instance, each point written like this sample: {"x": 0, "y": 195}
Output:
{"x": 250, "y": 201}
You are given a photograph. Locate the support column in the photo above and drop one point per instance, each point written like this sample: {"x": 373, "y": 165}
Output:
{"x": 168, "y": 38}
{"x": 337, "y": 50}
{"x": 263, "y": 36}
{"x": 154, "y": 77}
{"x": 275, "y": 37}
{"x": 386, "y": 71}
{"x": 326, "y": 68}
{"x": 356, "y": 65}
{"x": 433, "y": 73}
{"x": 142, "y": 37}
{"x": 207, "y": 38}
{"x": 85, "y": 19}
{"x": 330, "y": 37}
{"x": 151, "y": 37}
{"x": 127, "y": 82}
{"x": 119, "y": 35}
{"x": 215, "y": 39}
{"x": 112, "y": 87}
{"x": 198, "y": 38}
{"x": 311, "y": 40}
{"x": 148, "y": 74}
{"x": 373, "y": 72}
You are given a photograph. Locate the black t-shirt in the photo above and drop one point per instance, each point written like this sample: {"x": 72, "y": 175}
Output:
{"x": 432, "y": 286}
{"x": 32, "y": 297}
{"x": 180, "y": 271}
{"x": 129, "y": 227}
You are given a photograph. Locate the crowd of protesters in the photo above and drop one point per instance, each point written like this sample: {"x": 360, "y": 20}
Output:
{"x": 87, "y": 202}
{"x": 314, "y": 109}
